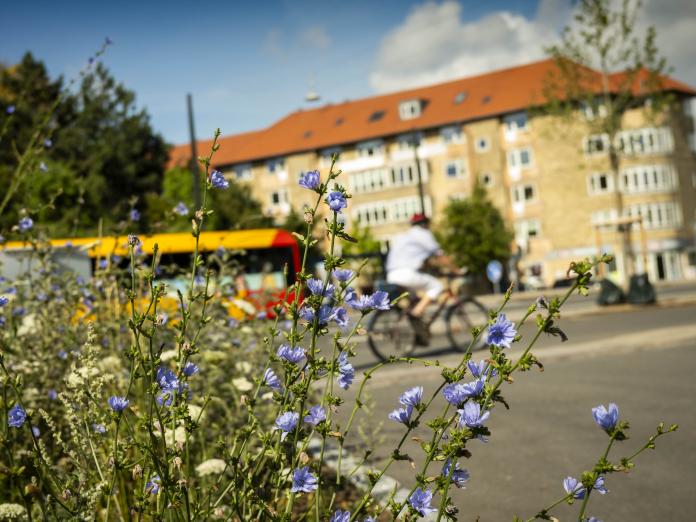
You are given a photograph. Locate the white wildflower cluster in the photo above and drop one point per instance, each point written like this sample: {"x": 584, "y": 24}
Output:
{"x": 13, "y": 512}
{"x": 210, "y": 467}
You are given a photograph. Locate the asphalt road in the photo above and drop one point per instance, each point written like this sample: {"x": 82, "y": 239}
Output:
{"x": 642, "y": 359}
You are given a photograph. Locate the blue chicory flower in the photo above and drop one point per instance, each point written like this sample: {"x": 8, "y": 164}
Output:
{"x": 592, "y": 519}
{"x": 480, "y": 369}
{"x": 574, "y": 487}
{"x": 62, "y": 354}
{"x": 43, "y": 167}
{"x": 134, "y": 214}
{"x": 48, "y": 143}
{"x": 3, "y": 300}
{"x": 346, "y": 372}
{"x": 118, "y": 404}
{"x": 271, "y": 380}
{"x": 340, "y": 516}
{"x": 606, "y": 418}
{"x": 471, "y": 415}
{"x": 316, "y": 415}
{"x": 599, "y": 487}
{"x": 502, "y": 332}
{"x": 292, "y": 355}
{"x": 25, "y": 224}
{"x": 153, "y": 485}
{"x": 420, "y": 501}
{"x": 402, "y": 415}
{"x": 286, "y": 422}
{"x": 52, "y": 394}
{"x": 36, "y": 431}
{"x": 316, "y": 286}
{"x": 303, "y": 481}
{"x": 10, "y": 109}
{"x": 18, "y": 311}
{"x": 459, "y": 476}
{"x": 310, "y": 180}
{"x": 181, "y": 209}
{"x": 98, "y": 428}
{"x": 336, "y": 201}
{"x": 190, "y": 369}
{"x": 343, "y": 274}
{"x": 412, "y": 396}
{"x": 218, "y": 181}
{"x": 16, "y": 416}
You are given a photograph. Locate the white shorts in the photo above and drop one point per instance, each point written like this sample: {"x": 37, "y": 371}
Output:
{"x": 415, "y": 280}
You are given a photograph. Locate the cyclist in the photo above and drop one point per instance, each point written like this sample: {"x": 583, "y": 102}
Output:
{"x": 408, "y": 253}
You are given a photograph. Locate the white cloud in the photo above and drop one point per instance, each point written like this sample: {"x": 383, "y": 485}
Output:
{"x": 435, "y": 44}
{"x": 316, "y": 37}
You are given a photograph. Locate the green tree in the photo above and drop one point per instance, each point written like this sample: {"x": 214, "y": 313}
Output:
{"x": 473, "y": 232}
{"x": 607, "y": 66}
{"x": 234, "y": 208}
{"x": 103, "y": 150}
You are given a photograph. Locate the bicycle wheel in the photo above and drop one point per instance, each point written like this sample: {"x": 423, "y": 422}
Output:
{"x": 460, "y": 318}
{"x": 389, "y": 333}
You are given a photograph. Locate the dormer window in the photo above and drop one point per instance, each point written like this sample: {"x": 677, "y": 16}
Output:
{"x": 410, "y": 109}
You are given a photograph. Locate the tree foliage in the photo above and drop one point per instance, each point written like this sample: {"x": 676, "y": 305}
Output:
{"x": 473, "y": 232}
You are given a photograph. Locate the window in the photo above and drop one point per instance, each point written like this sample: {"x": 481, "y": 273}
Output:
{"x": 406, "y": 141}
{"x": 410, "y": 109}
{"x": 242, "y": 172}
{"x": 482, "y": 144}
{"x": 371, "y": 148}
{"x": 523, "y": 193}
{"x": 326, "y": 155}
{"x": 376, "y": 116}
{"x": 452, "y": 134}
{"x": 376, "y": 213}
{"x": 596, "y": 144}
{"x": 486, "y": 179}
{"x": 279, "y": 197}
{"x": 455, "y": 169}
{"x": 516, "y": 122}
{"x": 368, "y": 181}
{"x": 275, "y": 165}
{"x": 649, "y": 140}
{"x": 526, "y": 229}
{"x": 591, "y": 110}
{"x": 599, "y": 183}
{"x": 648, "y": 178}
{"x": 404, "y": 175}
{"x": 665, "y": 214}
{"x": 520, "y": 158}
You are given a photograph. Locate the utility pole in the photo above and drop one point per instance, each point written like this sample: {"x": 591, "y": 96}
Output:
{"x": 195, "y": 171}
{"x": 421, "y": 197}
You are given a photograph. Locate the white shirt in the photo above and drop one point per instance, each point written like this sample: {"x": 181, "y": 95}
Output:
{"x": 411, "y": 249}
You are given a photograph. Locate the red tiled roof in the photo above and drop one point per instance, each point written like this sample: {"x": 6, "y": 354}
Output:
{"x": 486, "y": 95}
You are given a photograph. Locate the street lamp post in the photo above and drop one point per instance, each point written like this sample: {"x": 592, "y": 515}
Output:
{"x": 421, "y": 196}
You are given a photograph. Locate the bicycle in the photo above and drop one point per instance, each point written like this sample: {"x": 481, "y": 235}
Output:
{"x": 391, "y": 333}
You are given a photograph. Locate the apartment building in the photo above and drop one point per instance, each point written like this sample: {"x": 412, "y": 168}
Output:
{"x": 549, "y": 178}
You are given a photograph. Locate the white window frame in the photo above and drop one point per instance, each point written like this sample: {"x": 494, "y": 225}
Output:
{"x": 459, "y": 169}
{"x": 275, "y": 165}
{"x": 514, "y": 158}
{"x": 657, "y": 215}
{"x": 511, "y": 122}
{"x": 602, "y": 139}
{"x": 593, "y": 183}
{"x": 376, "y": 146}
{"x": 452, "y": 135}
{"x": 368, "y": 180}
{"x": 410, "y": 109}
{"x": 645, "y": 141}
{"x": 482, "y": 144}
{"x": 642, "y": 179}
{"x": 518, "y": 193}
{"x": 523, "y": 227}
{"x": 283, "y": 197}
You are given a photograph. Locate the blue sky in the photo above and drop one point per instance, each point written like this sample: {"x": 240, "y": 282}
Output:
{"x": 249, "y": 63}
